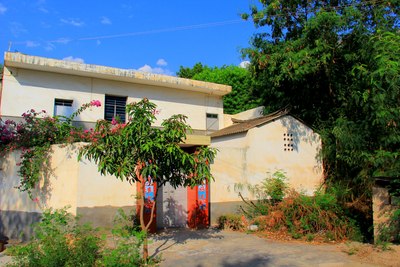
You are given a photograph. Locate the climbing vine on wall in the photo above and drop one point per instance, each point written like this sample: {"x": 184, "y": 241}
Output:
{"x": 34, "y": 135}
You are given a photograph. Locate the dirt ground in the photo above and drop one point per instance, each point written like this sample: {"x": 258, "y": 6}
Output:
{"x": 367, "y": 253}
{"x": 364, "y": 253}
{"x": 212, "y": 247}
{"x": 227, "y": 248}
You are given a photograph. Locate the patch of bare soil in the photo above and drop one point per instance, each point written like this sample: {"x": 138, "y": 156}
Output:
{"x": 367, "y": 253}
{"x": 363, "y": 253}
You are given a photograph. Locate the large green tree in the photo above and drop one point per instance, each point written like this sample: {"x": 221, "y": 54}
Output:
{"x": 336, "y": 63}
{"x": 135, "y": 151}
{"x": 241, "y": 98}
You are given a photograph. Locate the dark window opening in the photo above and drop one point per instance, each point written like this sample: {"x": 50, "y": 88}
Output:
{"x": 63, "y": 102}
{"x": 115, "y": 106}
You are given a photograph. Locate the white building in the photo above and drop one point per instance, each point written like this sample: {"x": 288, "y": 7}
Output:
{"x": 248, "y": 149}
{"x": 61, "y": 87}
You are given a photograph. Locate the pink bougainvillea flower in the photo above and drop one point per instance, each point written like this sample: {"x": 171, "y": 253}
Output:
{"x": 95, "y": 103}
{"x": 114, "y": 121}
{"x": 155, "y": 112}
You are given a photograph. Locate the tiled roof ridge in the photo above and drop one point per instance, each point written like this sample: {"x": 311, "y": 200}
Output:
{"x": 245, "y": 125}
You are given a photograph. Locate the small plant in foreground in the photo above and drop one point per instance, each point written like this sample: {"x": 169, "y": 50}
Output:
{"x": 59, "y": 241}
{"x": 231, "y": 221}
{"x": 128, "y": 239}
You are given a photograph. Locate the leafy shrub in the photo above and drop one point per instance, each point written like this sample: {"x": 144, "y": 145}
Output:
{"x": 270, "y": 191}
{"x": 278, "y": 208}
{"x": 126, "y": 253}
{"x": 128, "y": 239}
{"x": 275, "y": 186}
{"x": 231, "y": 221}
{"x": 59, "y": 241}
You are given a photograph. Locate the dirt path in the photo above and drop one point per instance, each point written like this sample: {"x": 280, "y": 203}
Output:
{"x": 224, "y": 248}
{"x": 203, "y": 248}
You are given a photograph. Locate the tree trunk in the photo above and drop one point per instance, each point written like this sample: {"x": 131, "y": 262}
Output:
{"x": 142, "y": 223}
{"x": 141, "y": 215}
{"x": 142, "y": 202}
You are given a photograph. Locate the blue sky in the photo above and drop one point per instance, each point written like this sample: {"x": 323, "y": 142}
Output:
{"x": 156, "y": 36}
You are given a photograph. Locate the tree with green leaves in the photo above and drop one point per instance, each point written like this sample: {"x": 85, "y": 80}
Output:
{"x": 137, "y": 152}
{"x": 336, "y": 64}
{"x": 189, "y": 73}
{"x": 241, "y": 97}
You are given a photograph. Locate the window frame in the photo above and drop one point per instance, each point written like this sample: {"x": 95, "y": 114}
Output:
{"x": 210, "y": 116}
{"x": 67, "y": 105}
{"x": 117, "y": 107}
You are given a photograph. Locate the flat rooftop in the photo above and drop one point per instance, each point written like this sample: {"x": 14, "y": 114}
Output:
{"x": 19, "y": 60}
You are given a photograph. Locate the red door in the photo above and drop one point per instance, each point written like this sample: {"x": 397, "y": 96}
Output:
{"x": 198, "y": 206}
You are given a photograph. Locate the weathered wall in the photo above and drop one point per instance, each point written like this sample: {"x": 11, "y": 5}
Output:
{"x": 17, "y": 210}
{"x": 68, "y": 183}
{"x": 382, "y": 209}
{"x": 245, "y": 158}
{"x": 43, "y": 87}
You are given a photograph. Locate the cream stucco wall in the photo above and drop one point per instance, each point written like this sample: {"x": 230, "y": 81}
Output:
{"x": 68, "y": 182}
{"x": 38, "y": 89}
{"x": 245, "y": 158}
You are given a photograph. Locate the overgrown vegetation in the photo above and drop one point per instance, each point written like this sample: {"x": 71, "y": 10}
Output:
{"x": 336, "y": 64}
{"x": 60, "y": 240}
{"x": 280, "y": 209}
{"x": 390, "y": 231}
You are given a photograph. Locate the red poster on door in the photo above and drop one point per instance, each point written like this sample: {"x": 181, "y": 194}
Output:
{"x": 198, "y": 208}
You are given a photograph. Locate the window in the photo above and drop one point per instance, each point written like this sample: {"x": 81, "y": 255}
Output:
{"x": 212, "y": 123}
{"x": 63, "y": 107}
{"x": 115, "y": 106}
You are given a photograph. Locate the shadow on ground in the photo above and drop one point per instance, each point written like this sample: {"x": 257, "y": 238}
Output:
{"x": 167, "y": 238}
{"x": 254, "y": 262}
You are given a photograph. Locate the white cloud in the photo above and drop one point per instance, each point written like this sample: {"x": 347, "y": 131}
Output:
{"x": 49, "y": 46}
{"x": 73, "y": 22}
{"x": 161, "y": 62}
{"x": 105, "y": 21}
{"x": 3, "y": 9}
{"x": 74, "y": 59}
{"x": 42, "y": 9}
{"x": 32, "y": 44}
{"x": 17, "y": 29}
{"x": 157, "y": 70}
{"x": 244, "y": 64}
{"x": 62, "y": 40}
